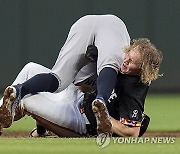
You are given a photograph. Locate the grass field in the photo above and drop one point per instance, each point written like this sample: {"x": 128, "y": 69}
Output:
{"x": 81, "y": 145}
{"x": 163, "y": 110}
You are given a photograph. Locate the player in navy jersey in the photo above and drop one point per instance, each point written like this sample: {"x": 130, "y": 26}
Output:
{"x": 110, "y": 35}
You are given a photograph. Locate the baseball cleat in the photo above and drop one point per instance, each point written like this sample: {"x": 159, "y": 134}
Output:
{"x": 7, "y": 109}
{"x": 102, "y": 117}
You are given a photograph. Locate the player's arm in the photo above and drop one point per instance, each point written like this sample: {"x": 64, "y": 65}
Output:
{"x": 123, "y": 130}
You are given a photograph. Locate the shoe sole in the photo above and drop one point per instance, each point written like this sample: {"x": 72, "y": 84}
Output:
{"x": 6, "y": 117}
{"x": 103, "y": 120}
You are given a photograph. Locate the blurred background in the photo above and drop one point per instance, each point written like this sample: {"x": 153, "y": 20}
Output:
{"x": 35, "y": 30}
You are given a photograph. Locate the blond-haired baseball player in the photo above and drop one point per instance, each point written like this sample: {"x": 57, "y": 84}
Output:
{"x": 110, "y": 35}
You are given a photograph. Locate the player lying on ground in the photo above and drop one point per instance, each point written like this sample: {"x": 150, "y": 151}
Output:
{"x": 61, "y": 112}
{"x": 128, "y": 107}
{"x": 110, "y": 35}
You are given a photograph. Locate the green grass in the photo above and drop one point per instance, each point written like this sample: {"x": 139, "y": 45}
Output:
{"x": 26, "y": 124}
{"x": 81, "y": 145}
{"x": 163, "y": 109}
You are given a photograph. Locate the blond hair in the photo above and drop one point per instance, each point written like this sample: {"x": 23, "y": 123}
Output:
{"x": 151, "y": 59}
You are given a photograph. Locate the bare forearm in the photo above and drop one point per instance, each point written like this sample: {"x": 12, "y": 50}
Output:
{"x": 122, "y": 130}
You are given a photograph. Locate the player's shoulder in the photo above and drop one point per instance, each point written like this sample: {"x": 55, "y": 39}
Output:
{"x": 127, "y": 83}
{"x": 125, "y": 78}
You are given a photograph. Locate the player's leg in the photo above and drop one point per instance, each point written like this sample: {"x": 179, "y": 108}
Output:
{"x": 110, "y": 41}
{"x": 72, "y": 55}
{"x": 58, "y": 112}
{"x": 27, "y": 72}
{"x": 71, "y": 59}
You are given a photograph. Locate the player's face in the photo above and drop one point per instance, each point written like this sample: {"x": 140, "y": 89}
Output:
{"x": 132, "y": 62}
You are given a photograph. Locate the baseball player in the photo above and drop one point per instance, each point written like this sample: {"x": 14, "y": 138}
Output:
{"x": 110, "y": 35}
{"x": 130, "y": 89}
{"x": 61, "y": 111}
{"x": 126, "y": 103}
